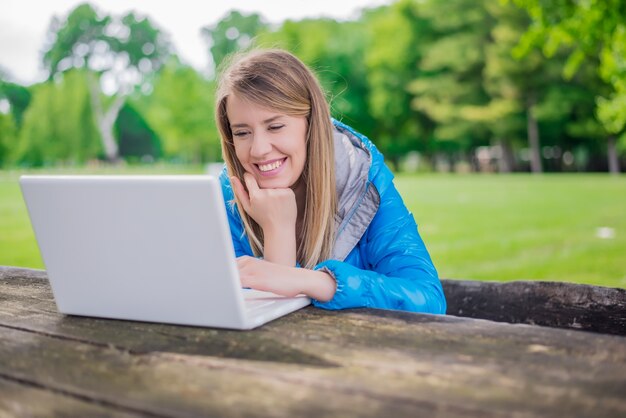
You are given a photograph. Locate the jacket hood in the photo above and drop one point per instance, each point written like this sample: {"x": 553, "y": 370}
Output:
{"x": 359, "y": 182}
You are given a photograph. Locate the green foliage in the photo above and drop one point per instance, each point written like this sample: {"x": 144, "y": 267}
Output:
{"x": 143, "y": 43}
{"x": 100, "y": 42}
{"x": 390, "y": 70}
{"x": 233, "y": 32}
{"x": 507, "y": 81}
{"x": 180, "y": 110}
{"x": 58, "y": 125}
{"x": 593, "y": 28}
{"x": 8, "y": 134}
{"x": 18, "y": 98}
{"x": 424, "y": 75}
{"x": 125, "y": 52}
{"x": 531, "y": 85}
{"x": 72, "y": 43}
{"x": 136, "y": 139}
{"x": 452, "y": 67}
{"x": 13, "y": 101}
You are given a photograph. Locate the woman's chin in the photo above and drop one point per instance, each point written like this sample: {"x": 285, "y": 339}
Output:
{"x": 273, "y": 183}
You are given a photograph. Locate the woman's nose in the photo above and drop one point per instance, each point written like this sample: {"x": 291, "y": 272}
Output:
{"x": 261, "y": 145}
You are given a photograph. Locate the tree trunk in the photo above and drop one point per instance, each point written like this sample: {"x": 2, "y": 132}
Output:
{"x": 106, "y": 129}
{"x": 612, "y": 154}
{"x": 506, "y": 163}
{"x": 533, "y": 136}
{"x": 106, "y": 120}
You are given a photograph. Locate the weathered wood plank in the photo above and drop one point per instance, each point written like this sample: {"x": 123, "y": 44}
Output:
{"x": 24, "y": 400}
{"x": 174, "y": 385}
{"x": 27, "y": 303}
{"x": 8, "y": 272}
{"x": 312, "y": 362}
{"x": 372, "y": 378}
{"x": 554, "y": 304}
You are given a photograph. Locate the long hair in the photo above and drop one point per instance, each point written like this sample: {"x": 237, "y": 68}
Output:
{"x": 277, "y": 80}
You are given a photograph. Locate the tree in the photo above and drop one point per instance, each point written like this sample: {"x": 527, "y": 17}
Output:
{"x": 180, "y": 110}
{"x": 233, "y": 32}
{"x": 58, "y": 125}
{"x": 136, "y": 138}
{"x": 390, "y": 71}
{"x": 18, "y": 98}
{"x": 594, "y": 29}
{"x": 121, "y": 53}
{"x": 450, "y": 77}
{"x": 14, "y": 99}
{"x": 7, "y": 135}
{"x": 526, "y": 96}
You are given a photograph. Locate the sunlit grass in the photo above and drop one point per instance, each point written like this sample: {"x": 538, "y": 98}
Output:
{"x": 482, "y": 227}
{"x": 522, "y": 226}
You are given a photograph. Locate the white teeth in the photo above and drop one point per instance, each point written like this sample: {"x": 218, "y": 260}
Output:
{"x": 273, "y": 166}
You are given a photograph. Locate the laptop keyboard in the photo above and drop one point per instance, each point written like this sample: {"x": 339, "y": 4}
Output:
{"x": 256, "y": 299}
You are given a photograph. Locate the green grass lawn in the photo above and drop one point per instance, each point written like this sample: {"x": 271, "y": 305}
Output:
{"x": 522, "y": 227}
{"x": 482, "y": 227}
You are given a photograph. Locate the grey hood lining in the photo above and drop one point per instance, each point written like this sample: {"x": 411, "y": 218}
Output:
{"x": 358, "y": 199}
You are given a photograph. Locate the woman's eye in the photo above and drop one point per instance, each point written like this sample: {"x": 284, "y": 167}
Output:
{"x": 275, "y": 127}
{"x": 240, "y": 134}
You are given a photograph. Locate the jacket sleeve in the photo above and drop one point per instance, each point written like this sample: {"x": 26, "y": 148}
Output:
{"x": 401, "y": 274}
{"x": 240, "y": 241}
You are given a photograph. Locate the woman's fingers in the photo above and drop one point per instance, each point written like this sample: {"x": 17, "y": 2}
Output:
{"x": 251, "y": 183}
{"x": 251, "y": 273}
{"x": 241, "y": 193}
{"x": 268, "y": 277}
{"x": 270, "y": 208}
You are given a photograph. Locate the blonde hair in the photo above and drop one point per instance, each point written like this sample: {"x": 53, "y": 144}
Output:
{"x": 277, "y": 80}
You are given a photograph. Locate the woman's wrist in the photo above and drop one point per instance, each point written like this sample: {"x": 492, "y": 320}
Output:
{"x": 280, "y": 245}
{"x": 319, "y": 285}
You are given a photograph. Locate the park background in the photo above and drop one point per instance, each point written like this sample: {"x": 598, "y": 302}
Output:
{"x": 503, "y": 120}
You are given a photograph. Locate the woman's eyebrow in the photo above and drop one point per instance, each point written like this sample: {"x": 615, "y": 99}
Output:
{"x": 272, "y": 119}
{"x": 266, "y": 121}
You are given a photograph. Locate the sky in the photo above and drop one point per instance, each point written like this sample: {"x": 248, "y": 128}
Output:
{"x": 23, "y": 23}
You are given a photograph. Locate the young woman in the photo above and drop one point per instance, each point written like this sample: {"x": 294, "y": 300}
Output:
{"x": 313, "y": 209}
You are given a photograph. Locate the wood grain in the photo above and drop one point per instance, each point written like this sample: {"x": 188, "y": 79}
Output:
{"x": 553, "y": 304}
{"x": 363, "y": 362}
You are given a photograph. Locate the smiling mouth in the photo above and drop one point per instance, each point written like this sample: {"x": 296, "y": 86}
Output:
{"x": 271, "y": 166}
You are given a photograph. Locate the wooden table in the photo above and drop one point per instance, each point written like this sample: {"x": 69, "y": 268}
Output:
{"x": 316, "y": 363}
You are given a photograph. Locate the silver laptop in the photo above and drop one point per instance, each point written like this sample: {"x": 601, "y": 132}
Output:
{"x": 144, "y": 248}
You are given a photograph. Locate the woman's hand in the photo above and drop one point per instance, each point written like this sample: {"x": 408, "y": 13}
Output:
{"x": 270, "y": 208}
{"x": 285, "y": 281}
{"x": 275, "y": 210}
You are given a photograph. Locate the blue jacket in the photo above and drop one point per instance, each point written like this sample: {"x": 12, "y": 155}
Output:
{"x": 379, "y": 260}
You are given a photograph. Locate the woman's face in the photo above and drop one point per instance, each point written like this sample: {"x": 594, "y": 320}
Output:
{"x": 269, "y": 145}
